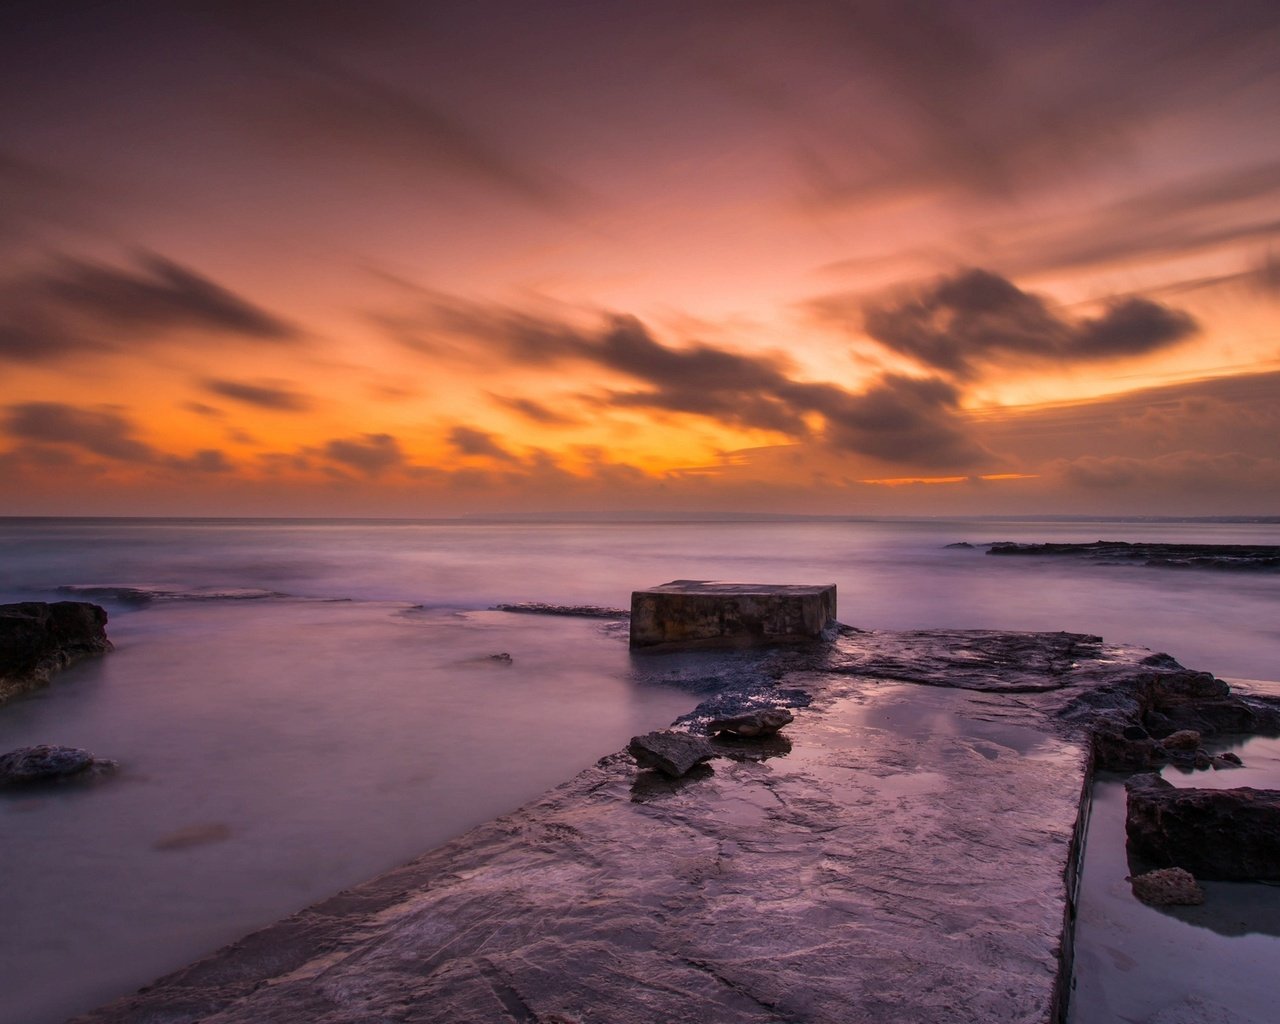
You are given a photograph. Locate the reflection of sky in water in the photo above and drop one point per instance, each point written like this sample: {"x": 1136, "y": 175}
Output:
{"x": 1211, "y": 963}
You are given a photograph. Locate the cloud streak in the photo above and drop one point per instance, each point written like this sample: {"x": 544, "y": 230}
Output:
{"x": 262, "y": 395}
{"x": 77, "y": 305}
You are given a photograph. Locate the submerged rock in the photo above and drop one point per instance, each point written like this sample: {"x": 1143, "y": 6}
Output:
{"x": 579, "y": 611}
{"x": 1246, "y": 557}
{"x": 47, "y": 763}
{"x": 672, "y": 753}
{"x": 1167, "y": 887}
{"x": 38, "y": 638}
{"x": 752, "y": 725}
{"x": 1231, "y": 834}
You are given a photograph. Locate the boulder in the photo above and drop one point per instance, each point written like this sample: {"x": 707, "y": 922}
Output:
{"x": 38, "y": 638}
{"x": 1231, "y": 834}
{"x": 672, "y": 753}
{"x": 1167, "y": 887}
{"x": 47, "y": 763}
{"x": 1183, "y": 739}
{"x": 752, "y": 725}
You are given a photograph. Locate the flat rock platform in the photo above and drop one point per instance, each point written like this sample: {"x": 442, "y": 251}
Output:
{"x": 904, "y": 851}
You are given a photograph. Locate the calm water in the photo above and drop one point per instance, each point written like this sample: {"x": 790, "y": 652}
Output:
{"x": 276, "y": 749}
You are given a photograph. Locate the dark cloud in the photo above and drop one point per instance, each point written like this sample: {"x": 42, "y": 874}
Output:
{"x": 206, "y": 460}
{"x": 477, "y": 442}
{"x": 903, "y": 419}
{"x": 899, "y": 418}
{"x": 975, "y": 318}
{"x": 263, "y": 395}
{"x": 159, "y": 294}
{"x": 372, "y": 454}
{"x": 77, "y": 305}
{"x": 536, "y": 411}
{"x": 103, "y": 431}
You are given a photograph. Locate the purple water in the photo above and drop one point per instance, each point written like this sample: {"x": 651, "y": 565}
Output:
{"x": 276, "y": 749}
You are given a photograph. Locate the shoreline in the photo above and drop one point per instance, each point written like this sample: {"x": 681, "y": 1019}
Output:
{"x": 912, "y": 857}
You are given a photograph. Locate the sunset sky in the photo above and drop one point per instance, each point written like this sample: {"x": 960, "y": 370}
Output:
{"x": 805, "y": 256}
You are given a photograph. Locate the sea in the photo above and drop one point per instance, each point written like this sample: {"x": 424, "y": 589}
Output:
{"x": 297, "y": 705}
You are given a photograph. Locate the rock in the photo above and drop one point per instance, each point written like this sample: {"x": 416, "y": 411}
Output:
{"x": 672, "y": 753}
{"x": 1231, "y": 758}
{"x": 705, "y": 613}
{"x": 1226, "y": 761}
{"x": 1183, "y": 739}
{"x": 1135, "y": 732}
{"x": 1167, "y": 887}
{"x": 1115, "y": 751}
{"x": 502, "y": 658}
{"x": 753, "y": 724}
{"x": 579, "y": 611}
{"x": 1231, "y": 834}
{"x": 959, "y": 544}
{"x": 46, "y": 763}
{"x": 1239, "y": 557}
{"x": 37, "y": 639}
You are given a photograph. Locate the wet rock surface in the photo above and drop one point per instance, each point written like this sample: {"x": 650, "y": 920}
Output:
{"x": 1227, "y": 834}
{"x": 905, "y": 856}
{"x": 672, "y": 753}
{"x": 38, "y": 638}
{"x": 45, "y": 763}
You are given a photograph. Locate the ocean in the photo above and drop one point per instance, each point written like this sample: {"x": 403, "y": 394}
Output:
{"x": 297, "y": 705}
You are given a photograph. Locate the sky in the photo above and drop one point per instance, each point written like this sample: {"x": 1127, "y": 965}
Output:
{"x": 746, "y": 256}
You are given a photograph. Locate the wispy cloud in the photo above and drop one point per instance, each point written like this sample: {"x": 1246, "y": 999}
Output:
{"x": 265, "y": 395}
{"x": 76, "y": 305}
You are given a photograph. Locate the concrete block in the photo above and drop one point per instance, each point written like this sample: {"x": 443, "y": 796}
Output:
{"x": 702, "y": 613}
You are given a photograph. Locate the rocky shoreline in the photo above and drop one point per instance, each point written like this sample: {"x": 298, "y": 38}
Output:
{"x": 899, "y": 852}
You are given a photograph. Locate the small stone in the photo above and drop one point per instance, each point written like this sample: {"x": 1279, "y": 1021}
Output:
{"x": 501, "y": 659}
{"x": 1232, "y": 757}
{"x": 752, "y": 725}
{"x": 1168, "y": 887}
{"x": 672, "y": 753}
{"x": 1183, "y": 739}
{"x": 42, "y": 763}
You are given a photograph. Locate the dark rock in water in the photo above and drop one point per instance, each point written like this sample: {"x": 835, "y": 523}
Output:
{"x": 1240, "y": 557}
{"x": 1231, "y": 758}
{"x": 1133, "y": 719}
{"x": 1231, "y": 834}
{"x": 1115, "y": 751}
{"x": 1184, "y": 739}
{"x": 47, "y": 763}
{"x": 37, "y": 639}
{"x": 581, "y": 611}
{"x": 756, "y": 723}
{"x": 501, "y": 659}
{"x": 960, "y": 544}
{"x": 672, "y": 753}
{"x": 1167, "y": 887}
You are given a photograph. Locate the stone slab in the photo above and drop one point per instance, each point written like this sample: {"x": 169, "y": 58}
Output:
{"x": 688, "y": 614}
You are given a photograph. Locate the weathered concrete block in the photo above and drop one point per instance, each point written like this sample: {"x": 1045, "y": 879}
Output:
{"x": 700, "y": 613}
